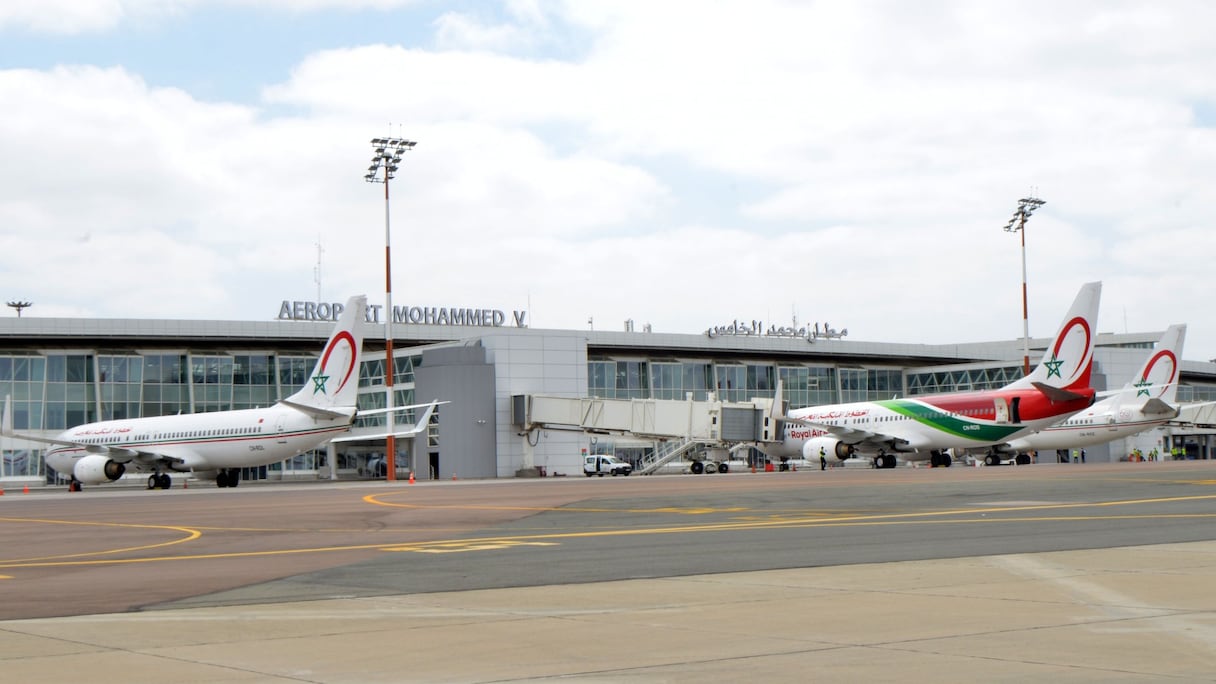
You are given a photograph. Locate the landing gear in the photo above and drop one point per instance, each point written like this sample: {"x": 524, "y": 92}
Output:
{"x": 884, "y": 460}
{"x": 1022, "y": 459}
{"x": 992, "y": 460}
{"x": 160, "y": 481}
{"x": 939, "y": 459}
{"x": 231, "y": 477}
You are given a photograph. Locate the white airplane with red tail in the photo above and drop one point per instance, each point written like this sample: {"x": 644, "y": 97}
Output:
{"x": 217, "y": 445}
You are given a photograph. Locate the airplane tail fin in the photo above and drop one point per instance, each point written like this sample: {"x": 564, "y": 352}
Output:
{"x": 1156, "y": 383}
{"x": 334, "y": 381}
{"x": 1069, "y": 358}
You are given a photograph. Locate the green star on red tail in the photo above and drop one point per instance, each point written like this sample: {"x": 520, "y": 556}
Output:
{"x": 318, "y": 383}
{"x": 1053, "y": 367}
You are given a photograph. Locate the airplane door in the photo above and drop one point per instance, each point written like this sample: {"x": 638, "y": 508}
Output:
{"x": 1002, "y": 410}
{"x": 280, "y": 429}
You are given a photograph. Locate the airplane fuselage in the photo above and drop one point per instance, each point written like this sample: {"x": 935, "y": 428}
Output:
{"x": 202, "y": 441}
{"x": 933, "y": 422}
{"x": 1088, "y": 428}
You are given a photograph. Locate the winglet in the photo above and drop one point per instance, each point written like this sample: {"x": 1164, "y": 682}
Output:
{"x": 777, "y": 410}
{"x": 420, "y": 426}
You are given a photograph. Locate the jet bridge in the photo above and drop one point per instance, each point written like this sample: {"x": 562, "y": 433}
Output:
{"x": 687, "y": 423}
{"x": 1198, "y": 415}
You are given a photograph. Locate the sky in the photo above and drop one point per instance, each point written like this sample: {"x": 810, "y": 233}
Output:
{"x": 680, "y": 164}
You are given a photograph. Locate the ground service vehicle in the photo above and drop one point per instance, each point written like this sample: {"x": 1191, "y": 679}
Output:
{"x": 605, "y": 465}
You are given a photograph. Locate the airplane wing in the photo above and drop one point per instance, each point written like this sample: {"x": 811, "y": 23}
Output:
{"x": 418, "y": 427}
{"x": 317, "y": 411}
{"x": 1056, "y": 393}
{"x": 1156, "y": 407}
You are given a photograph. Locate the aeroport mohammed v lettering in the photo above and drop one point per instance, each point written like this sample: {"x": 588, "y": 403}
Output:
{"x": 419, "y": 315}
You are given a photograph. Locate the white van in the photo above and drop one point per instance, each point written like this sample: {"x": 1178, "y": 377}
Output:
{"x": 605, "y": 465}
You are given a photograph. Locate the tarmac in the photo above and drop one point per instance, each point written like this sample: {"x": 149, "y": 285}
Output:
{"x": 1135, "y": 614}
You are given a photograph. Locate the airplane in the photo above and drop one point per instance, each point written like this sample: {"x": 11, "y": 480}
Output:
{"x": 924, "y": 428}
{"x": 217, "y": 445}
{"x": 1146, "y": 401}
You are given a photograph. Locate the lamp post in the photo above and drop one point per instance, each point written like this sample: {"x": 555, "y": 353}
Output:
{"x": 1017, "y": 224}
{"x": 386, "y": 156}
{"x": 19, "y": 305}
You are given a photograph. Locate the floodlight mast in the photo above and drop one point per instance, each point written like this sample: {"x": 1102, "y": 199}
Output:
{"x": 386, "y": 157}
{"x": 1017, "y": 224}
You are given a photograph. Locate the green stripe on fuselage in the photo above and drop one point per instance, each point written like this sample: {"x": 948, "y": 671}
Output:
{"x": 955, "y": 425}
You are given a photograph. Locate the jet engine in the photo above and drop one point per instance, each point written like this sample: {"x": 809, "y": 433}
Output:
{"x": 96, "y": 469}
{"x": 831, "y": 447}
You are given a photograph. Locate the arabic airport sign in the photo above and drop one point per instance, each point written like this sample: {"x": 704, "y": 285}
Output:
{"x": 291, "y": 310}
{"x": 737, "y": 328}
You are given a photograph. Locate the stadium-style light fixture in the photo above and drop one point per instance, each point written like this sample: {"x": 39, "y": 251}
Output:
{"x": 386, "y": 154}
{"x": 20, "y": 305}
{"x": 1017, "y": 224}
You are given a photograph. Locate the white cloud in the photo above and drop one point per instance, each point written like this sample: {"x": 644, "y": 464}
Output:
{"x": 874, "y": 151}
{"x": 456, "y": 31}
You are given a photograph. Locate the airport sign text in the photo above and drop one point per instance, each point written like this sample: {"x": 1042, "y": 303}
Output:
{"x": 296, "y": 310}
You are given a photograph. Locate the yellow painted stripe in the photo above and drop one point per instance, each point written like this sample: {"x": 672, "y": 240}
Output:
{"x": 483, "y": 543}
{"x": 191, "y": 535}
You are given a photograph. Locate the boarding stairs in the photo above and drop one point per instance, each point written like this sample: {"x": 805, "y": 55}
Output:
{"x": 666, "y": 452}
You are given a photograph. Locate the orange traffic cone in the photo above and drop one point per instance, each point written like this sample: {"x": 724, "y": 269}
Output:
{"x": 453, "y": 477}
{"x": 411, "y": 477}
{"x": 1, "y": 491}
{"x": 25, "y": 489}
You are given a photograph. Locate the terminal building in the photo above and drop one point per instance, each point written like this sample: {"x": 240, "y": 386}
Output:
{"x": 62, "y": 372}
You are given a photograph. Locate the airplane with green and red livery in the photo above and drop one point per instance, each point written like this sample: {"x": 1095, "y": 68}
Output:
{"x": 926, "y": 427}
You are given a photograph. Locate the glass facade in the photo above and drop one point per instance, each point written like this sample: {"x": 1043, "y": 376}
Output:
{"x": 676, "y": 379}
{"x": 803, "y": 385}
{"x": 119, "y": 386}
{"x": 964, "y": 380}
{"x": 808, "y": 385}
{"x": 618, "y": 379}
{"x": 53, "y": 392}
{"x": 372, "y": 375}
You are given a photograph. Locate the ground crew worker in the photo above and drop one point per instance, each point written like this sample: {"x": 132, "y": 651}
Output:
{"x": 823, "y": 459}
